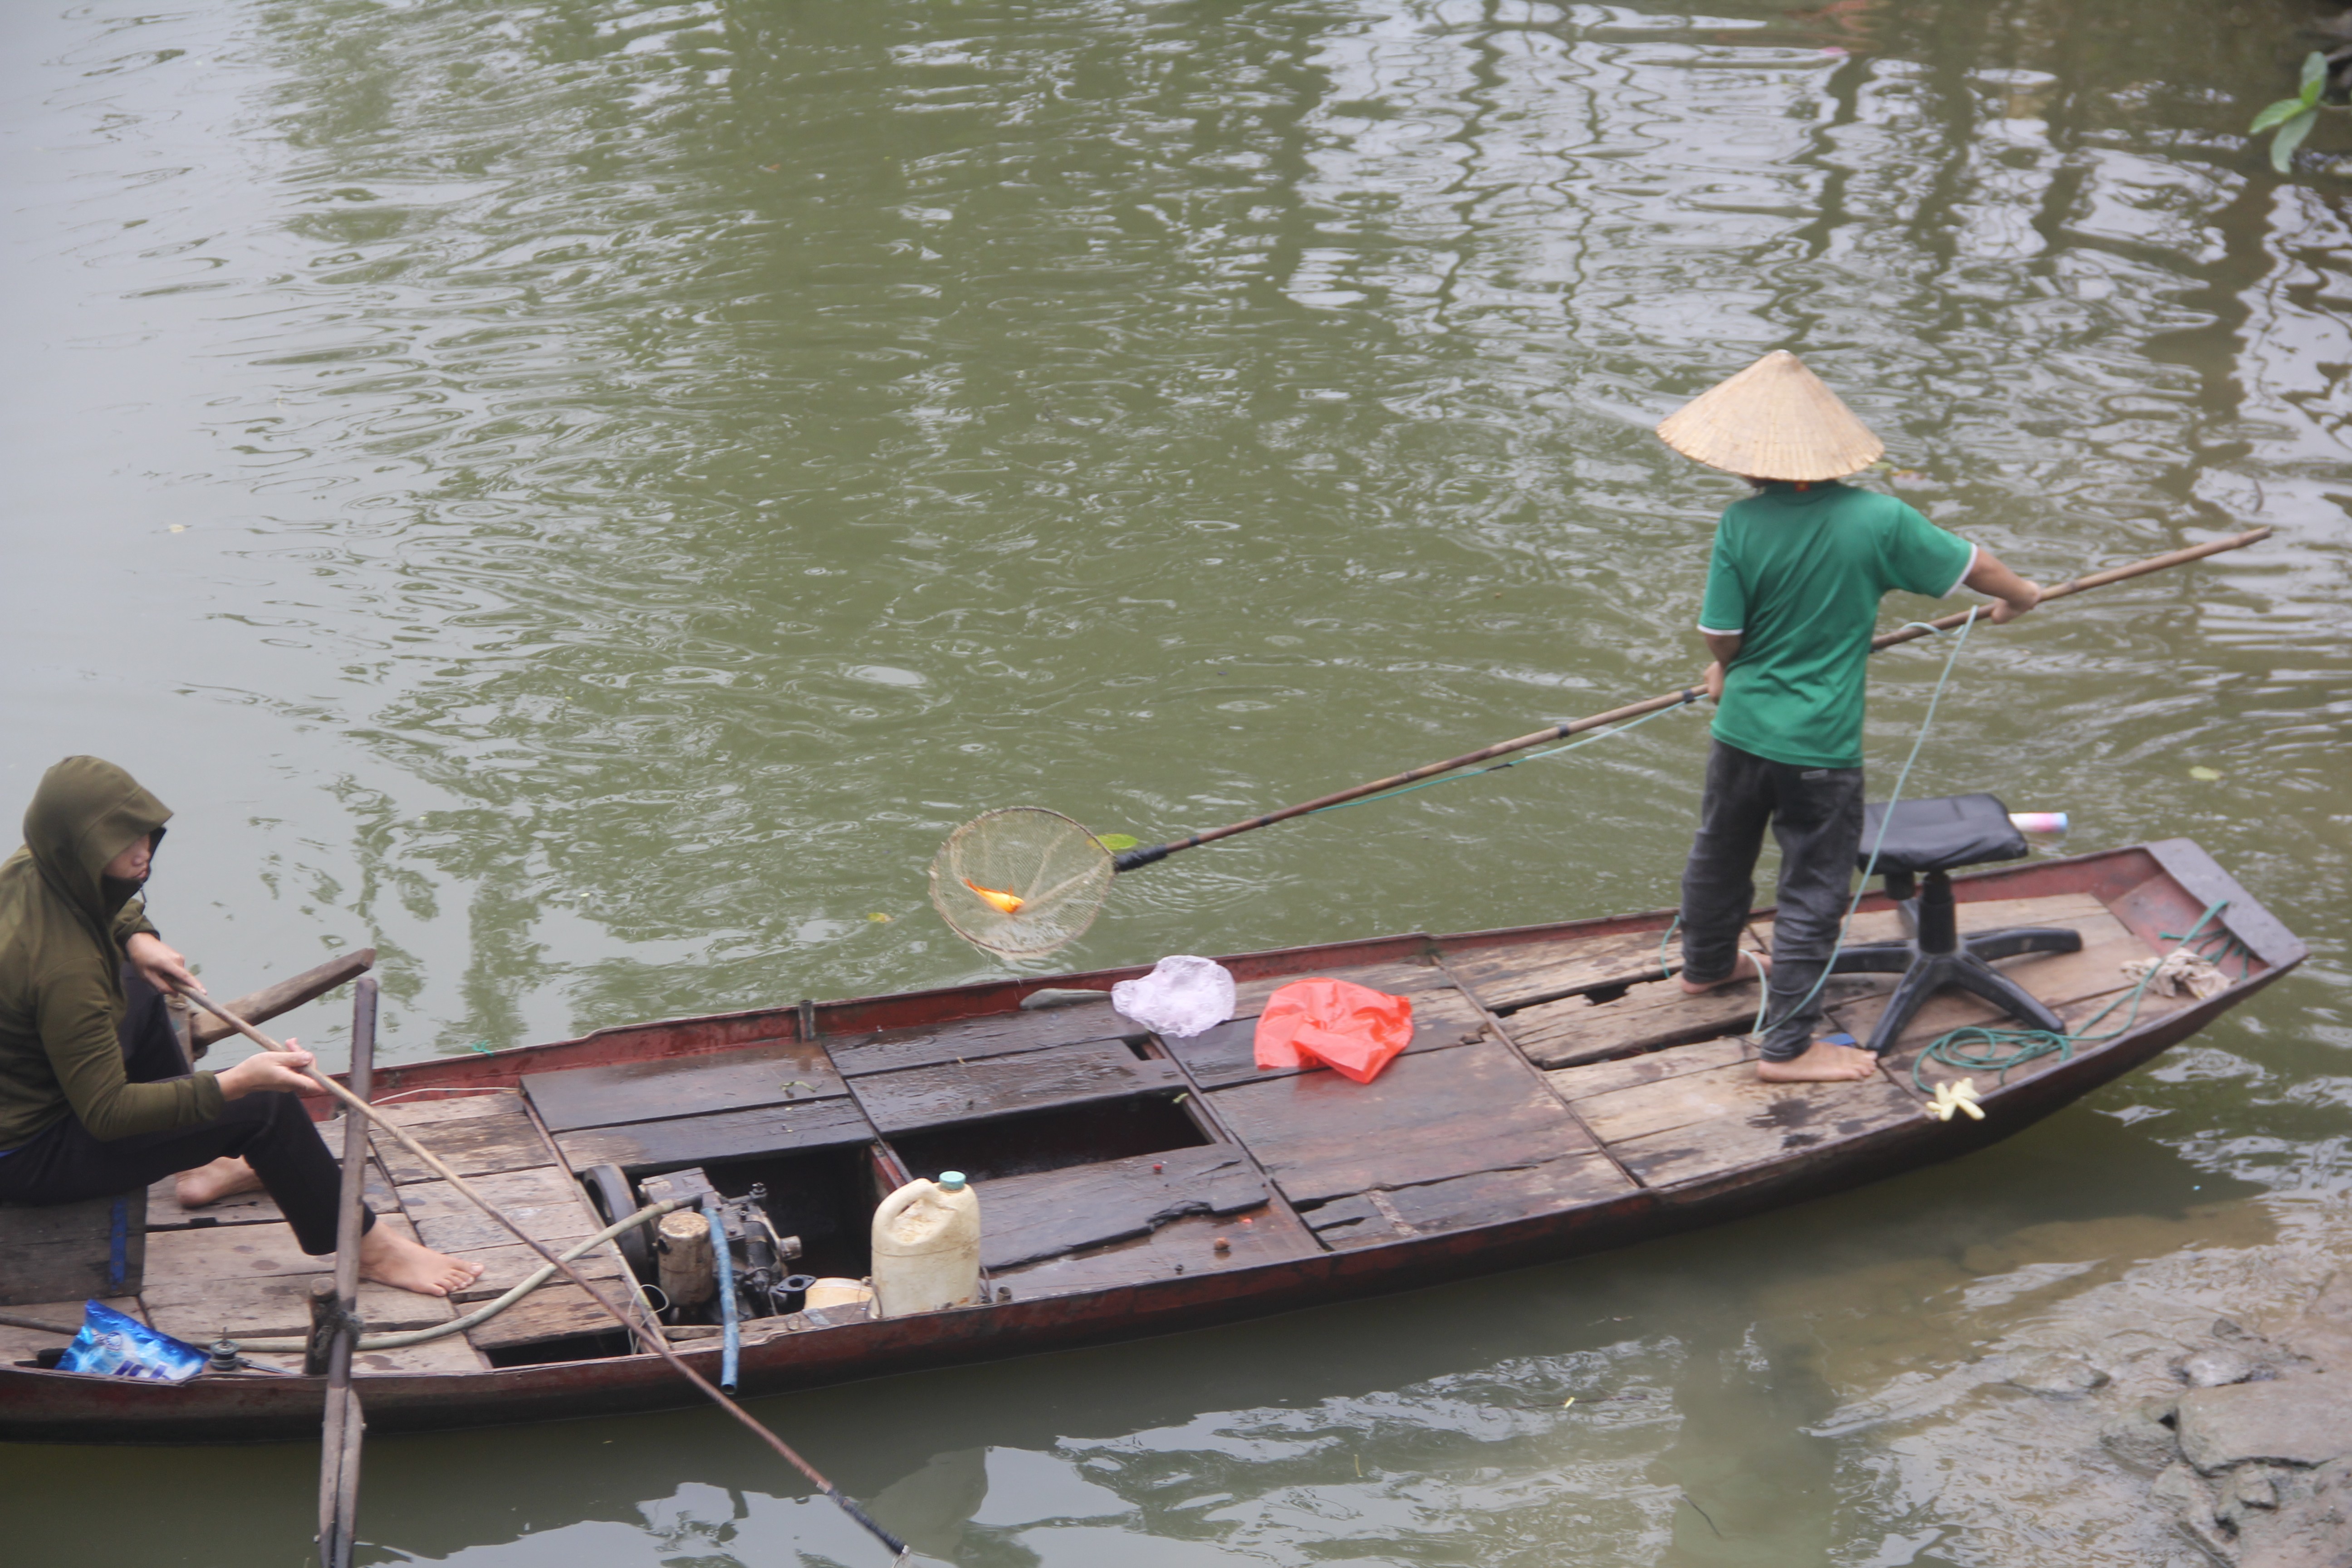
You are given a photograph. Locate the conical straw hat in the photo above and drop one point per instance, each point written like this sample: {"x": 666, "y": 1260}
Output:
{"x": 1775, "y": 420}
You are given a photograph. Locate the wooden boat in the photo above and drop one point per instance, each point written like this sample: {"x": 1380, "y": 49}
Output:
{"x": 1561, "y": 1096}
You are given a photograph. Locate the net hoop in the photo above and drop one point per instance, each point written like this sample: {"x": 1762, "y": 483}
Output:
{"x": 1057, "y": 872}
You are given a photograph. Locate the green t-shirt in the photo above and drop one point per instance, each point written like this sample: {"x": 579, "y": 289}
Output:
{"x": 1797, "y": 575}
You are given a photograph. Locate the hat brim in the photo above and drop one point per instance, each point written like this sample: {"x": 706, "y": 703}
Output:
{"x": 1775, "y": 420}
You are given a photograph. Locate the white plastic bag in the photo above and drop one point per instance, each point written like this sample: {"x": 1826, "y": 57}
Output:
{"x": 1182, "y": 997}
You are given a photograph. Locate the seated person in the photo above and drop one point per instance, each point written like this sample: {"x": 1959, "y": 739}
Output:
{"x": 94, "y": 1097}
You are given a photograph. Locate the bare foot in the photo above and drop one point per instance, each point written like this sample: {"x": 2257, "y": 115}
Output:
{"x": 1748, "y": 966}
{"x": 1821, "y": 1063}
{"x": 210, "y": 1184}
{"x": 388, "y": 1258}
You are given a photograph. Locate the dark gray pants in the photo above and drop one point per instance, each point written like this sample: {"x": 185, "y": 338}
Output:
{"x": 1815, "y": 815}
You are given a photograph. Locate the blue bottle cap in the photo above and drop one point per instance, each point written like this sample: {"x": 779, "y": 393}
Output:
{"x": 951, "y": 1181}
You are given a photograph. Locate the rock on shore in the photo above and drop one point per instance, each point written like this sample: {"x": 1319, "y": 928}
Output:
{"x": 2254, "y": 1457}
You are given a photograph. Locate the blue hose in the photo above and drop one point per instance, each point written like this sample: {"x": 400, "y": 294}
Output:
{"x": 724, "y": 1261}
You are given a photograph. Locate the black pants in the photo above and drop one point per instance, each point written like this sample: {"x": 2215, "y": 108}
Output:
{"x": 1815, "y": 813}
{"x": 272, "y": 1131}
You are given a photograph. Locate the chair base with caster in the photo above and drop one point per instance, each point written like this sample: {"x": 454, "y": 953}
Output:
{"x": 1925, "y": 840}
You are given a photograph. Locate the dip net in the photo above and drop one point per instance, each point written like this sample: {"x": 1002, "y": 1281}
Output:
{"x": 1023, "y": 881}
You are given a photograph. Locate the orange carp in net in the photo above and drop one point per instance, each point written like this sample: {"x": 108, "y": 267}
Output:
{"x": 1009, "y": 903}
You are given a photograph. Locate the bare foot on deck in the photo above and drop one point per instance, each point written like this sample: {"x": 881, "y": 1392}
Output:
{"x": 1748, "y": 966}
{"x": 1821, "y": 1063}
{"x": 210, "y": 1184}
{"x": 390, "y": 1258}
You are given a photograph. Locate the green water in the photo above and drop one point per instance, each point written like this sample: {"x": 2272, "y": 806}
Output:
{"x": 582, "y": 496}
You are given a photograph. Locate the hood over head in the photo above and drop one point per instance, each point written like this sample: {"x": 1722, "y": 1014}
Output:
{"x": 84, "y": 813}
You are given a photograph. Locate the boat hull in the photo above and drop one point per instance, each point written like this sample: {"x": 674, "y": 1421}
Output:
{"x": 54, "y": 1407}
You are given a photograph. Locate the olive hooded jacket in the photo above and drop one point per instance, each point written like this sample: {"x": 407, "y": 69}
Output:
{"x": 62, "y": 926}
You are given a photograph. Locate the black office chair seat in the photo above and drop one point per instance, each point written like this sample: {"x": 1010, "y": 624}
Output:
{"x": 1924, "y": 841}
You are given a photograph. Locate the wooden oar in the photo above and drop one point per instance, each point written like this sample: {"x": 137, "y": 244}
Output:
{"x": 262, "y": 1005}
{"x": 1130, "y": 859}
{"x": 344, "y": 1426}
{"x": 650, "y": 1337}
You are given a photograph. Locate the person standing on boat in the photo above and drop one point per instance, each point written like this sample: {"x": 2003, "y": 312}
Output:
{"x": 94, "y": 1098}
{"x": 1792, "y": 601}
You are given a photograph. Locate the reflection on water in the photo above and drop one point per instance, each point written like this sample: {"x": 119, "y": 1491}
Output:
{"x": 584, "y": 496}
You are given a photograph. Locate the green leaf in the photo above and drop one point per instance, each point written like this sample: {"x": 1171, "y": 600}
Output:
{"x": 2285, "y": 109}
{"x": 2289, "y": 136}
{"x": 2315, "y": 76}
{"x": 1115, "y": 842}
{"x": 2206, "y": 774}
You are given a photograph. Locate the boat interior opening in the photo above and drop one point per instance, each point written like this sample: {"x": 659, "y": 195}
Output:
{"x": 563, "y": 1348}
{"x": 1054, "y": 1139}
{"x": 825, "y": 1197}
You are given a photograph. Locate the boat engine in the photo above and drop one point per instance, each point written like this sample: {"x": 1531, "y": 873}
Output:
{"x": 765, "y": 1285}
{"x": 760, "y": 1253}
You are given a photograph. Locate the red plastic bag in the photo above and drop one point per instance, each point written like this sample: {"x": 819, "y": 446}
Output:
{"x": 1352, "y": 1029}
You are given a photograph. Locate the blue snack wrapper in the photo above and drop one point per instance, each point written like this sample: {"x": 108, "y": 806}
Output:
{"x": 112, "y": 1345}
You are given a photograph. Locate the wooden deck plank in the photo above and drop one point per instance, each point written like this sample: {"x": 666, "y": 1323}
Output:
{"x": 452, "y": 1354}
{"x": 1719, "y": 1100}
{"x": 1429, "y": 1117}
{"x": 496, "y": 1140}
{"x": 84, "y": 1220}
{"x": 546, "y": 1202}
{"x": 1228, "y": 1053}
{"x": 198, "y": 1311}
{"x": 681, "y": 1141}
{"x": 164, "y": 1213}
{"x": 1708, "y": 1123}
{"x": 969, "y": 1039}
{"x": 50, "y": 1252}
{"x": 19, "y": 1345}
{"x": 237, "y": 1252}
{"x": 504, "y": 1267}
{"x": 1052, "y": 1213}
{"x": 923, "y": 1096}
{"x": 256, "y": 1207}
{"x": 1512, "y": 976}
{"x": 554, "y": 1312}
{"x": 1599, "y": 1077}
{"x": 1647, "y": 1017}
{"x": 774, "y": 1072}
{"x": 416, "y": 1115}
{"x": 1187, "y": 1245}
{"x": 1991, "y": 914}
{"x": 1657, "y": 1013}
{"x": 1463, "y": 1202}
{"x": 442, "y": 1355}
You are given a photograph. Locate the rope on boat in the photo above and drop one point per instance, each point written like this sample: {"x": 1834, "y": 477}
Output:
{"x": 1974, "y": 1048}
{"x": 482, "y": 1314}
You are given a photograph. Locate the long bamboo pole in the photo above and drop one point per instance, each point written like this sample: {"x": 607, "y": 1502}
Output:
{"x": 650, "y": 1337}
{"x": 344, "y": 1424}
{"x": 1131, "y": 859}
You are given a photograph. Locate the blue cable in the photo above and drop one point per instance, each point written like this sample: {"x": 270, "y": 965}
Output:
{"x": 724, "y": 1261}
